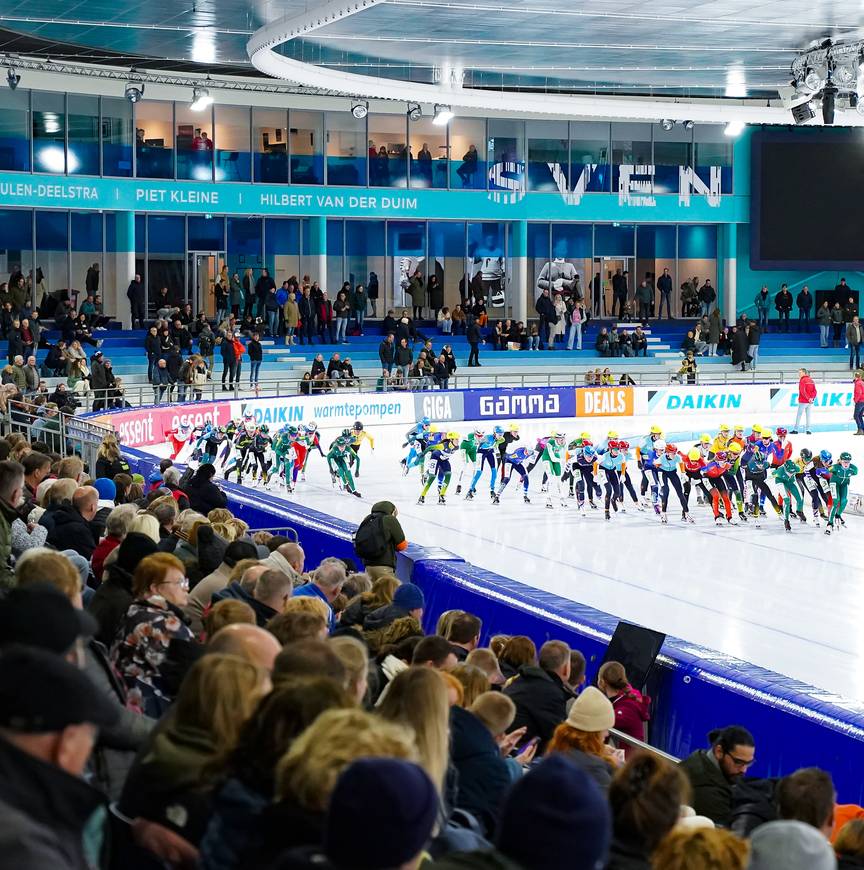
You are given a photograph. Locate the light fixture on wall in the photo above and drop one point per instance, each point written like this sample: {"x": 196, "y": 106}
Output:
{"x": 201, "y": 99}
{"x": 415, "y": 113}
{"x": 667, "y": 124}
{"x": 689, "y": 125}
{"x": 359, "y": 110}
{"x": 443, "y": 115}
{"x": 12, "y": 78}
{"x": 134, "y": 91}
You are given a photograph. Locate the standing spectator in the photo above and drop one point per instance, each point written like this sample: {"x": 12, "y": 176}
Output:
{"x": 325, "y": 319}
{"x": 206, "y": 343}
{"x": 341, "y": 311}
{"x": 475, "y": 339}
{"x": 707, "y": 295}
{"x": 262, "y": 287}
{"x": 619, "y": 292}
{"x": 235, "y": 294}
{"x": 577, "y": 318}
{"x": 403, "y": 357}
{"x": 740, "y": 346}
{"x": 713, "y": 332}
{"x": 806, "y": 400}
{"x": 762, "y": 302}
{"x": 291, "y": 317}
{"x": 805, "y": 304}
{"x": 255, "y": 351}
{"x": 180, "y": 336}
{"x": 436, "y": 295}
{"x": 98, "y": 381}
{"x": 753, "y": 339}
{"x": 272, "y": 307}
{"x": 358, "y": 300}
{"x": 135, "y": 295}
{"x": 229, "y": 362}
{"x": 854, "y": 337}
{"x": 306, "y": 311}
{"x": 416, "y": 289}
{"x": 442, "y": 373}
{"x": 91, "y": 280}
{"x": 386, "y": 353}
{"x": 850, "y": 310}
{"x": 239, "y": 350}
{"x": 248, "y": 282}
{"x": 372, "y": 292}
{"x": 631, "y": 706}
{"x": 783, "y": 304}
{"x": 545, "y": 308}
{"x": 823, "y": 318}
{"x": 644, "y": 295}
{"x": 377, "y": 540}
{"x": 858, "y": 399}
{"x": 664, "y": 285}
{"x": 836, "y": 323}
{"x": 559, "y": 328}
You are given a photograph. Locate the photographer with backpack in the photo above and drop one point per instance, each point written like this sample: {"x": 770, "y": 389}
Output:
{"x": 378, "y": 538}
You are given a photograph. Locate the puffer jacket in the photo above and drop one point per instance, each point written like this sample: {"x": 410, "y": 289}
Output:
{"x": 632, "y": 711}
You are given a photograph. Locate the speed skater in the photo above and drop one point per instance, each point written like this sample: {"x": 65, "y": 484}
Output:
{"x": 440, "y": 454}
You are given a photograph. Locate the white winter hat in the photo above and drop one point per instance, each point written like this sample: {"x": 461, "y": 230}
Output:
{"x": 592, "y": 711}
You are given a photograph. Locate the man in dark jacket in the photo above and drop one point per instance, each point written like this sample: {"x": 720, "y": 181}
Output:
{"x": 306, "y": 310}
{"x": 664, "y": 285}
{"x": 475, "y": 337}
{"x": 707, "y": 295}
{"x": 386, "y": 353}
{"x": 180, "y": 336}
{"x": 262, "y": 287}
{"x": 805, "y": 305}
{"x": 403, "y": 356}
{"x": 98, "y": 381}
{"x": 72, "y": 530}
{"x": 541, "y": 693}
{"x": 135, "y": 295}
{"x": 714, "y": 771}
{"x": 229, "y": 361}
{"x": 378, "y": 564}
{"x": 783, "y": 304}
{"x": 204, "y": 495}
{"x": 545, "y": 308}
{"x": 619, "y": 292}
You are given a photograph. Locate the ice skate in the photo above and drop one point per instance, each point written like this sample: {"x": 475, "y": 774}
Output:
{"x": 593, "y": 506}
{"x": 496, "y": 500}
{"x": 687, "y": 518}
{"x": 801, "y": 516}
{"x": 731, "y": 521}
{"x": 421, "y": 500}
{"x": 718, "y": 521}
{"x": 787, "y": 525}
{"x": 606, "y": 512}
{"x": 656, "y": 508}
{"x": 829, "y": 529}
{"x": 442, "y": 500}
{"x": 640, "y": 506}
{"x": 470, "y": 495}
{"x": 524, "y": 498}
{"x": 458, "y": 489}
{"x": 664, "y": 519}
{"x": 356, "y": 494}
{"x": 742, "y": 516}
{"x": 550, "y": 505}
{"x": 404, "y": 464}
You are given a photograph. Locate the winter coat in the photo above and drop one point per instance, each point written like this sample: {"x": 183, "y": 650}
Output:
{"x": 836, "y": 315}
{"x": 234, "y": 591}
{"x": 72, "y": 532}
{"x": 359, "y": 300}
{"x": 473, "y": 334}
{"x": 227, "y": 350}
{"x": 714, "y": 328}
{"x": 487, "y": 859}
{"x": 204, "y": 495}
{"x": 823, "y": 316}
{"x": 416, "y": 290}
{"x": 754, "y": 334}
{"x": 804, "y": 301}
{"x": 632, "y": 711}
{"x": 644, "y": 293}
{"x": 291, "y": 313}
{"x": 545, "y": 307}
{"x": 854, "y": 334}
{"x": 592, "y": 766}
{"x": 707, "y": 293}
{"x": 712, "y": 792}
{"x": 255, "y": 351}
{"x": 484, "y": 776}
{"x": 783, "y": 301}
{"x": 110, "y": 603}
{"x": 740, "y": 346}
{"x": 403, "y": 355}
{"x": 43, "y": 813}
{"x": 627, "y": 856}
{"x": 541, "y": 702}
{"x": 386, "y": 352}
{"x": 806, "y": 390}
{"x": 231, "y": 830}
{"x": 436, "y": 295}
{"x": 384, "y": 616}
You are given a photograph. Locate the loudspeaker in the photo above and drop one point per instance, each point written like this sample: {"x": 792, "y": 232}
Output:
{"x": 637, "y": 649}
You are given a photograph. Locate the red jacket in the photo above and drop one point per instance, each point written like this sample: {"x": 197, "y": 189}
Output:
{"x": 631, "y": 713}
{"x": 858, "y": 391}
{"x": 806, "y": 390}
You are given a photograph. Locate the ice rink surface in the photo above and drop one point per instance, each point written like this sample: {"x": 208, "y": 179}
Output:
{"x": 790, "y": 602}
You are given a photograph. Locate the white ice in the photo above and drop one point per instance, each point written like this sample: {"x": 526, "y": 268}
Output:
{"x": 790, "y": 602}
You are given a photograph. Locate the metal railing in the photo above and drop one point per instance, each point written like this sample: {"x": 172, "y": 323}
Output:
{"x": 621, "y": 737}
{"x": 286, "y": 531}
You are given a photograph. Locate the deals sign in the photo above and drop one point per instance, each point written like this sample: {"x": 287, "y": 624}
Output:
{"x": 520, "y": 404}
{"x": 604, "y": 402}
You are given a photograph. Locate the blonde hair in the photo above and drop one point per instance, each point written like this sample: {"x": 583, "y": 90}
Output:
{"x": 41, "y": 565}
{"x": 497, "y": 643}
{"x": 240, "y": 527}
{"x": 701, "y": 849}
{"x": 61, "y": 490}
{"x": 186, "y": 521}
{"x": 218, "y": 695}
{"x": 239, "y": 569}
{"x": 307, "y": 604}
{"x": 474, "y": 682}
{"x": 152, "y": 570}
{"x": 445, "y": 621}
{"x": 71, "y": 467}
{"x": 225, "y": 530}
{"x": 352, "y": 653}
{"x": 309, "y": 770}
{"x": 144, "y": 524}
{"x": 495, "y": 710}
{"x": 418, "y": 697}
{"x": 220, "y": 515}
{"x": 109, "y": 448}
{"x": 227, "y": 612}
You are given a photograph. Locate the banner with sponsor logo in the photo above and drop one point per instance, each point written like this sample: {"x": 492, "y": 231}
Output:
{"x": 832, "y": 399}
{"x": 685, "y": 399}
{"x": 604, "y": 402}
{"x": 147, "y": 426}
{"x": 519, "y": 403}
{"x": 439, "y": 407}
{"x": 333, "y": 411}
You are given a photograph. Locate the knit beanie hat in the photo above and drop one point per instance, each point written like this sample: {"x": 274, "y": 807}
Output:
{"x": 409, "y": 597}
{"x": 592, "y": 711}
{"x": 555, "y": 818}
{"x": 133, "y": 549}
{"x": 788, "y": 845}
{"x": 381, "y": 814}
{"x": 106, "y": 488}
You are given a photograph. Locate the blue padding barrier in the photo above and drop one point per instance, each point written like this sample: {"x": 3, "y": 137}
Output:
{"x": 694, "y": 689}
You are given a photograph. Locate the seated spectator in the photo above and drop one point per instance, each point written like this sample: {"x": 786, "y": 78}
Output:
{"x": 290, "y": 559}
{"x": 408, "y": 600}
{"x": 203, "y": 494}
{"x": 583, "y": 736}
{"x": 602, "y": 343}
{"x": 631, "y": 707}
{"x": 541, "y": 694}
{"x": 464, "y": 634}
{"x": 355, "y": 658}
{"x": 712, "y": 772}
{"x": 326, "y": 584}
{"x": 172, "y": 782}
{"x": 116, "y": 529}
{"x": 298, "y": 625}
{"x": 790, "y": 845}
{"x": 434, "y": 652}
{"x": 849, "y": 845}
{"x": 517, "y": 651}
{"x": 380, "y": 595}
{"x": 72, "y": 529}
{"x": 702, "y": 849}
{"x": 487, "y": 663}
{"x": 808, "y": 795}
{"x": 267, "y": 596}
{"x": 256, "y": 645}
{"x": 228, "y": 611}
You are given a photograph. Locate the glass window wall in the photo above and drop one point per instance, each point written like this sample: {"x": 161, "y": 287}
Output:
{"x": 306, "y": 147}
{"x": 14, "y": 130}
{"x": 505, "y": 153}
{"x": 82, "y": 157}
{"x": 270, "y": 145}
{"x": 117, "y": 137}
{"x": 282, "y": 248}
{"x": 52, "y": 257}
{"x": 166, "y": 256}
{"x": 154, "y": 139}
{"x": 568, "y": 272}
{"x": 233, "y": 160}
{"x": 713, "y": 148}
{"x": 548, "y": 157}
{"x": 388, "y": 152}
{"x": 194, "y": 143}
{"x": 16, "y": 231}
{"x": 672, "y": 148}
{"x": 346, "y": 149}
{"x": 406, "y": 249}
{"x": 656, "y": 250}
{"x": 49, "y": 132}
{"x": 364, "y": 253}
{"x": 447, "y": 263}
{"x": 467, "y": 154}
{"x": 427, "y": 154}
{"x": 590, "y": 166}
{"x": 206, "y": 233}
{"x": 86, "y": 250}
{"x": 631, "y": 146}
{"x": 486, "y": 265}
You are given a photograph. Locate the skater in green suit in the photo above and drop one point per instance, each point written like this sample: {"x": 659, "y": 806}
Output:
{"x": 339, "y": 460}
{"x": 841, "y": 473}
{"x": 553, "y": 461}
{"x": 786, "y": 475}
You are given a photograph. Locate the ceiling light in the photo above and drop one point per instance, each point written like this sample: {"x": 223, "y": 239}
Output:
{"x": 688, "y": 125}
{"x": 134, "y": 91}
{"x": 204, "y": 47}
{"x": 667, "y": 124}
{"x": 201, "y": 99}
{"x": 12, "y": 78}
{"x": 734, "y": 128}
{"x": 415, "y": 113}
{"x": 812, "y": 80}
{"x": 360, "y": 110}
{"x": 443, "y": 115}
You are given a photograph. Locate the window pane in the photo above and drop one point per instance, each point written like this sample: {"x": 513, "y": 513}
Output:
{"x": 713, "y": 148}
{"x": 655, "y": 251}
{"x": 614, "y": 240}
{"x": 270, "y": 143}
{"x": 486, "y": 266}
{"x": 671, "y": 149}
{"x": 547, "y": 144}
{"x": 83, "y": 156}
{"x": 631, "y": 145}
{"x": 116, "y": 136}
{"x": 49, "y": 132}
{"x": 154, "y": 139}
{"x": 568, "y": 271}
{"x": 282, "y": 252}
{"x": 15, "y": 130}
{"x": 346, "y": 149}
{"x": 86, "y": 248}
{"x": 166, "y": 255}
{"x": 206, "y": 233}
{"x": 52, "y": 255}
{"x": 388, "y": 159}
{"x": 467, "y": 150}
{"x": 16, "y": 230}
{"x": 335, "y": 251}
{"x": 505, "y": 153}
{"x": 364, "y": 251}
{"x": 232, "y": 144}
{"x": 194, "y": 143}
{"x": 406, "y": 247}
{"x": 428, "y": 154}
{"x": 307, "y": 160}
{"x": 589, "y": 147}
{"x": 447, "y": 262}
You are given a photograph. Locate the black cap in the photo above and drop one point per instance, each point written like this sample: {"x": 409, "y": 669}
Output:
{"x": 40, "y": 692}
{"x": 41, "y": 615}
{"x": 238, "y": 550}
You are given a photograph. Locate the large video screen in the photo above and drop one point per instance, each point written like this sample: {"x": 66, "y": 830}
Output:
{"x": 807, "y": 199}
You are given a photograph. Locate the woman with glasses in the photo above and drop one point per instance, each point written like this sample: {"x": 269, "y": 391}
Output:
{"x": 154, "y": 620}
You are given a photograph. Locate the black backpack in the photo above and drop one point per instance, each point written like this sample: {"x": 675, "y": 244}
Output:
{"x": 370, "y": 542}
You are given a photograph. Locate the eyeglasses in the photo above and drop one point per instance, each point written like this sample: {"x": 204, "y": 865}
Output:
{"x": 740, "y": 762}
{"x": 182, "y": 584}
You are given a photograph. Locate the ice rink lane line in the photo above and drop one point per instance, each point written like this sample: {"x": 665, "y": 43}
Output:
{"x": 628, "y": 583}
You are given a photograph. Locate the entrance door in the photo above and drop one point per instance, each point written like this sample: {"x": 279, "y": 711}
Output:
{"x": 608, "y": 266}
{"x": 204, "y": 269}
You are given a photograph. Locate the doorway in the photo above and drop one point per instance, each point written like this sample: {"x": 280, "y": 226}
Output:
{"x": 607, "y": 267}
{"x": 204, "y": 269}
